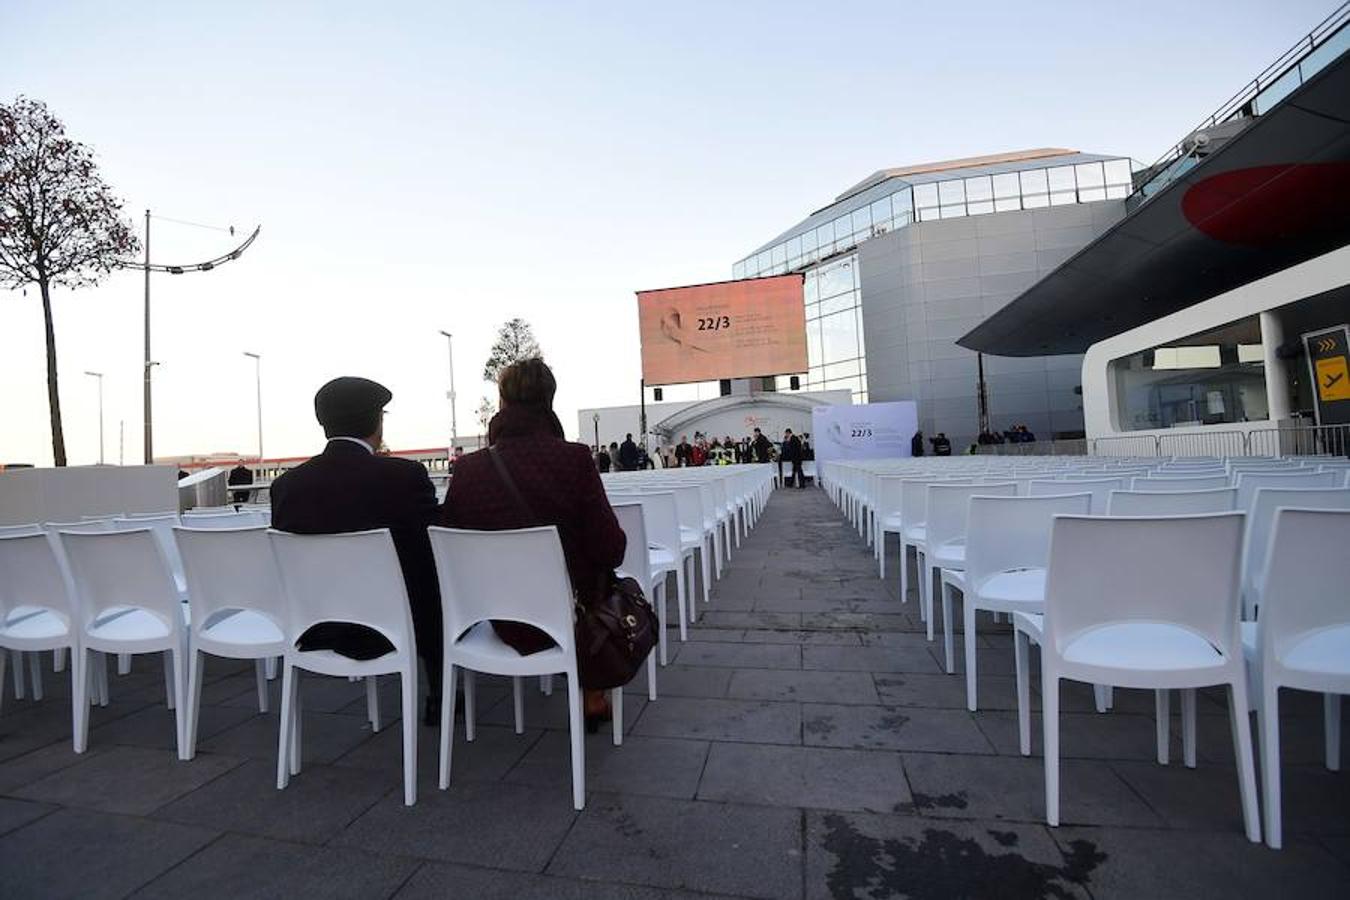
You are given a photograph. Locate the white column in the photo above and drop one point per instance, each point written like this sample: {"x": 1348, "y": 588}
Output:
{"x": 1277, "y": 375}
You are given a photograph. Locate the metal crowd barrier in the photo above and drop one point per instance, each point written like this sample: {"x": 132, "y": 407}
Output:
{"x": 1285, "y": 440}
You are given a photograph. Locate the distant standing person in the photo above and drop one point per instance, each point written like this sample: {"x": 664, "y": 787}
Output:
{"x": 602, "y": 460}
{"x": 916, "y": 444}
{"x": 683, "y": 451}
{"x": 240, "y": 474}
{"x": 763, "y": 446}
{"x": 629, "y": 457}
{"x": 792, "y": 453}
{"x": 941, "y": 445}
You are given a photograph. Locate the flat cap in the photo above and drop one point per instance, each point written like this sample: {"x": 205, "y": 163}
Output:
{"x": 350, "y": 406}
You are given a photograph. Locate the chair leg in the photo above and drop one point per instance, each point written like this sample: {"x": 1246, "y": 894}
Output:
{"x": 881, "y": 556}
{"x": 546, "y": 685}
{"x": 180, "y": 663}
{"x": 1331, "y": 718}
{"x": 651, "y": 676}
{"x": 690, "y": 577}
{"x": 1242, "y": 752}
{"x": 1099, "y": 698}
{"x": 373, "y": 702}
{"x": 124, "y": 664}
{"x": 168, "y": 678}
{"x": 680, "y": 606}
{"x": 4, "y": 663}
{"x": 968, "y": 622}
{"x": 904, "y": 572}
{"x": 1021, "y": 652}
{"x": 285, "y": 742}
{"x": 1162, "y": 723}
{"x": 470, "y": 706}
{"x": 448, "y": 674}
{"x": 616, "y": 706}
{"x": 260, "y": 675}
{"x": 194, "y": 693}
{"x": 101, "y": 671}
{"x": 271, "y": 667}
{"x": 35, "y": 674}
{"x": 518, "y": 702}
{"x": 578, "y": 741}
{"x": 1050, "y": 726}
{"x": 660, "y": 591}
{"x": 79, "y": 698}
{"x": 1188, "y": 727}
{"x": 1268, "y": 728}
{"x": 930, "y": 582}
{"x": 16, "y": 663}
{"x": 58, "y": 659}
{"x": 947, "y": 636}
{"x": 707, "y": 575}
{"x": 408, "y": 689}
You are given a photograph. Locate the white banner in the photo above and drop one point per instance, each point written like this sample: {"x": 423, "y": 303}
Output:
{"x": 867, "y": 431}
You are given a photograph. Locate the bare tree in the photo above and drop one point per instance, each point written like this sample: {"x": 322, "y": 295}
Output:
{"x": 59, "y": 222}
{"x": 515, "y": 341}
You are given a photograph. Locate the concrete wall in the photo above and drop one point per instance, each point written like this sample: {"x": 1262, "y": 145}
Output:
{"x": 926, "y": 285}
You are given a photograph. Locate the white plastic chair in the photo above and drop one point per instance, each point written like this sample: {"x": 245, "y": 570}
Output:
{"x": 638, "y": 565}
{"x": 37, "y": 605}
{"x": 1100, "y": 488}
{"x": 12, "y": 530}
{"x": 1260, "y": 521}
{"x": 1161, "y": 483}
{"x": 352, "y": 578}
{"x": 1171, "y": 503}
{"x": 1302, "y": 639}
{"x": 533, "y": 589}
{"x": 666, "y": 547}
{"x": 163, "y": 526}
{"x": 246, "y": 519}
{"x": 1007, "y": 543}
{"x": 1147, "y": 602}
{"x": 945, "y": 538}
{"x": 1249, "y": 482}
{"x": 127, "y": 603}
{"x": 237, "y": 606}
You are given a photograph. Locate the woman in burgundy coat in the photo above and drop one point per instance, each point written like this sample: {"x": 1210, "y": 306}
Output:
{"x": 561, "y": 487}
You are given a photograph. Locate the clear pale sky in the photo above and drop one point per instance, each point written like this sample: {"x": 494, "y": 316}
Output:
{"x": 426, "y": 166}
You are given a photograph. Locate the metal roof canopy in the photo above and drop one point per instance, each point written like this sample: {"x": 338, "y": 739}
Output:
{"x": 1155, "y": 262}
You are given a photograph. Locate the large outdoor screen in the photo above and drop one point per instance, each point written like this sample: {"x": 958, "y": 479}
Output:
{"x": 733, "y": 329}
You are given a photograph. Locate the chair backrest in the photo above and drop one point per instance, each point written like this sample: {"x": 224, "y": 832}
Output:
{"x": 914, "y": 498}
{"x": 1160, "y": 483}
{"x": 1249, "y": 482}
{"x": 352, "y": 577}
{"x": 636, "y": 561}
{"x": 121, "y": 568}
{"x": 1014, "y": 532}
{"x": 1305, "y": 576}
{"x": 1099, "y": 488}
{"x": 247, "y": 519}
{"x": 1182, "y": 570}
{"x": 87, "y": 526}
{"x": 8, "y": 530}
{"x": 230, "y": 569}
{"x": 163, "y": 528}
{"x": 661, "y": 515}
{"x": 1171, "y": 503}
{"x": 949, "y": 505}
{"x": 32, "y": 574}
{"x": 516, "y": 576}
{"x": 1260, "y": 520}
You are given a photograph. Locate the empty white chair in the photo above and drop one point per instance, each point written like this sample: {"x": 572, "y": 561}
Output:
{"x": 665, "y": 545}
{"x": 37, "y": 605}
{"x": 1160, "y": 483}
{"x": 237, "y": 605}
{"x": 1260, "y": 520}
{"x": 351, "y": 578}
{"x": 1007, "y": 543}
{"x": 1249, "y": 482}
{"x": 127, "y": 603}
{"x": 1302, "y": 639}
{"x": 247, "y": 519}
{"x": 84, "y": 526}
{"x": 1171, "y": 503}
{"x": 945, "y": 538}
{"x": 638, "y": 566}
{"x": 162, "y": 526}
{"x": 1100, "y": 488}
{"x": 1148, "y": 602}
{"x": 10, "y": 530}
{"x": 533, "y": 590}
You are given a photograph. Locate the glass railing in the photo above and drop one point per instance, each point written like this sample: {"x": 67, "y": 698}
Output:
{"x": 1314, "y": 52}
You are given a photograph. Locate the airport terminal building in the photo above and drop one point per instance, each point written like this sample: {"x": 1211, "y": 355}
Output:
{"x": 903, "y": 263}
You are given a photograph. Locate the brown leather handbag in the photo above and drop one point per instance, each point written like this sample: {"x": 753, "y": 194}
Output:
{"x": 614, "y": 634}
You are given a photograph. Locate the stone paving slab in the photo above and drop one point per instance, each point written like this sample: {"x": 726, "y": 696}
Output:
{"x": 805, "y": 742}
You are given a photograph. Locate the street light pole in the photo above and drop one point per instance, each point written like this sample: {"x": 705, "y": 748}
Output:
{"x": 257, "y": 371}
{"x": 149, "y": 425}
{"x": 99, "y": 376}
{"x": 454, "y": 428}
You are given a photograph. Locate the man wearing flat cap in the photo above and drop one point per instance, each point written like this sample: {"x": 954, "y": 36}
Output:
{"x": 348, "y": 487}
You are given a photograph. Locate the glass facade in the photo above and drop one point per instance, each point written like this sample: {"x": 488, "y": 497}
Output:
{"x": 949, "y": 198}
{"x": 1215, "y": 377}
{"x": 834, "y": 329}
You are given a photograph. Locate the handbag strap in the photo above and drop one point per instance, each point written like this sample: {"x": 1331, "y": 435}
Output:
{"x": 511, "y": 487}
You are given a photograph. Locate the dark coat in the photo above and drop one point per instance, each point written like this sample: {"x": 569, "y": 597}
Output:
{"x": 762, "y": 447}
{"x": 792, "y": 449}
{"x": 683, "y": 453}
{"x": 561, "y": 487}
{"x": 347, "y": 488}
{"x": 630, "y": 459}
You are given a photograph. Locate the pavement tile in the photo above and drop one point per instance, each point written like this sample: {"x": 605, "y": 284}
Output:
{"x": 718, "y": 618}
{"x": 683, "y": 681}
{"x": 90, "y": 855}
{"x": 243, "y": 866}
{"x": 1088, "y": 735}
{"x": 128, "y": 780}
{"x": 439, "y": 880}
{"x": 491, "y": 755}
{"x": 154, "y": 727}
{"x": 316, "y": 804}
{"x": 751, "y": 851}
{"x": 738, "y": 656}
{"x": 324, "y": 737}
{"x": 550, "y": 712}
{"x": 868, "y": 659}
{"x": 999, "y": 787}
{"x": 663, "y": 767}
{"x": 17, "y": 813}
{"x": 515, "y": 826}
{"x": 892, "y": 728}
{"x": 864, "y": 780}
{"x": 755, "y": 721}
{"x": 812, "y": 687}
{"x": 872, "y": 856}
{"x": 1171, "y": 863}
{"x": 801, "y": 638}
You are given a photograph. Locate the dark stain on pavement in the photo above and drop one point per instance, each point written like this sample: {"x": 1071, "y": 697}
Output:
{"x": 940, "y": 801}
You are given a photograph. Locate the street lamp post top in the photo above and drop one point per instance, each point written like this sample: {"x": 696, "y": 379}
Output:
{"x": 253, "y": 355}
{"x": 446, "y": 333}
{"x": 95, "y": 374}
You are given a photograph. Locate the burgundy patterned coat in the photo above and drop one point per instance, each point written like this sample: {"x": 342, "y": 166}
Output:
{"x": 559, "y": 482}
